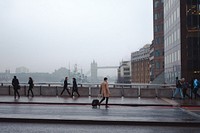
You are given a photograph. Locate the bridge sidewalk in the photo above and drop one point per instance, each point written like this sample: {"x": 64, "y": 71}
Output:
{"x": 88, "y": 100}
{"x": 127, "y": 111}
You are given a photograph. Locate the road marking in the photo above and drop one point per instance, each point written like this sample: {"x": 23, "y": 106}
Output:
{"x": 172, "y": 102}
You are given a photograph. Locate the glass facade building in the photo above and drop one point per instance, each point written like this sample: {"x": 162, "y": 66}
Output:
{"x": 181, "y": 39}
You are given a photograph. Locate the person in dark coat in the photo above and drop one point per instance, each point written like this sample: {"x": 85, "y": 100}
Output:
{"x": 178, "y": 88}
{"x": 185, "y": 86}
{"x": 15, "y": 83}
{"x": 30, "y": 82}
{"x": 191, "y": 88}
{"x": 75, "y": 88}
{"x": 65, "y": 87}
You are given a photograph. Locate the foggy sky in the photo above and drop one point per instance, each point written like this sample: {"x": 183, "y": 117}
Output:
{"x": 44, "y": 35}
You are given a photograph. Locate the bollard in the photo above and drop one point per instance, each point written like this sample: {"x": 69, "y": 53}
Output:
{"x": 1, "y": 84}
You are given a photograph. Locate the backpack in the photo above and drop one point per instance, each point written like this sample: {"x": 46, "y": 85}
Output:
{"x": 178, "y": 84}
{"x": 196, "y": 83}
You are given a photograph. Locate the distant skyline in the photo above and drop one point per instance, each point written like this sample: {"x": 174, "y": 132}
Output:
{"x": 44, "y": 35}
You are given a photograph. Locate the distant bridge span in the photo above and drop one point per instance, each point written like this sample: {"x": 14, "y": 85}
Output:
{"x": 108, "y": 67}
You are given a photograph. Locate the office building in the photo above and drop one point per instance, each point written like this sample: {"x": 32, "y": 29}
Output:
{"x": 124, "y": 72}
{"x": 181, "y": 39}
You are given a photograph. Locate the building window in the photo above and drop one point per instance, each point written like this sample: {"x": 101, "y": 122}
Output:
{"x": 158, "y": 65}
{"x": 156, "y": 4}
{"x": 155, "y": 16}
{"x": 179, "y": 55}
{"x": 157, "y": 53}
{"x": 178, "y": 12}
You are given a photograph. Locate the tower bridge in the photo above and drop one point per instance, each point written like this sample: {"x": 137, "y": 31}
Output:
{"x": 95, "y": 68}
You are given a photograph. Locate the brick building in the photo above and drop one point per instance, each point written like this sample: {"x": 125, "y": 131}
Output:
{"x": 157, "y": 46}
{"x": 140, "y": 65}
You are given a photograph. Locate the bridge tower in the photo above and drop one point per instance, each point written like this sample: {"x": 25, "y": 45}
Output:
{"x": 94, "y": 72}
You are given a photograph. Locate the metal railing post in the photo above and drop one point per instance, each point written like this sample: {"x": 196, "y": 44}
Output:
{"x": 40, "y": 90}
{"x": 89, "y": 90}
{"x": 25, "y": 90}
{"x": 56, "y": 91}
{"x": 156, "y": 90}
{"x": 139, "y": 92}
{"x": 122, "y": 91}
{"x": 9, "y": 90}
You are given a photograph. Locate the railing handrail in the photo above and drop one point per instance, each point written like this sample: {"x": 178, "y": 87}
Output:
{"x": 119, "y": 89}
{"x": 92, "y": 84}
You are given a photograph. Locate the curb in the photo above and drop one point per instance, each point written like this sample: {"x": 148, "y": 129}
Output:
{"x": 101, "y": 122}
{"x": 111, "y": 104}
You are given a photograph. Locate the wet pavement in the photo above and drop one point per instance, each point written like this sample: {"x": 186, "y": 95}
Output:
{"x": 86, "y": 101}
{"x": 122, "y": 111}
{"x": 82, "y": 128}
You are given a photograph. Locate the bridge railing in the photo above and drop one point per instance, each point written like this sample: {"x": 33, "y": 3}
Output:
{"x": 92, "y": 89}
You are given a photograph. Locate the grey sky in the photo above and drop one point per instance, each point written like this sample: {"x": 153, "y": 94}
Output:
{"x": 44, "y": 35}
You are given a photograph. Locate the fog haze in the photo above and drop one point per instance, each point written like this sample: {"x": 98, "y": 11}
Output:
{"x": 44, "y": 35}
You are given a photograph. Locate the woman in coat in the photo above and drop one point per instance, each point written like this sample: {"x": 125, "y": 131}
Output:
{"x": 75, "y": 88}
{"x": 104, "y": 90}
{"x": 30, "y": 82}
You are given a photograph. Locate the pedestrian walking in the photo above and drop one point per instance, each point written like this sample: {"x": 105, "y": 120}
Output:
{"x": 104, "y": 90}
{"x": 191, "y": 87}
{"x": 178, "y": 88}
{"x": 185, "y": 86}
{"x": 196, "y": 87}
{"x": 75, "y": 88}
{"x": 16, "y": 86}
{"x": 65, "y": 87}
{"x": 30, "y": 82}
